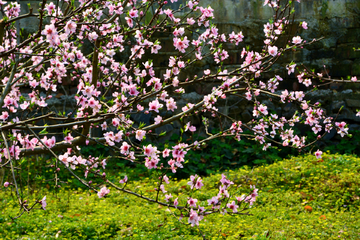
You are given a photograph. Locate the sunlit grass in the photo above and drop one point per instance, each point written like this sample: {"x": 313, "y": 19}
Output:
{"x": 300, "y": 198}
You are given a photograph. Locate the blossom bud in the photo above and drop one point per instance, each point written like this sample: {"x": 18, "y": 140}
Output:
{"x": 58, "y": 169}
{"x": 6, "y": 184}
{"x": 90, "y": 182}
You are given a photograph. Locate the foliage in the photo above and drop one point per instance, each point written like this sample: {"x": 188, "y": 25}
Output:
{"x": 227, "y": 153}
{"x": 347, "y": 145}
{"x": 300, "y": 198}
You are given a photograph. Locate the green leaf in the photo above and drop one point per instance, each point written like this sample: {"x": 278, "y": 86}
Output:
{"x": 43, "y": 131}
{"x": 66, "y": 131}
{"x": 141, "y": 125}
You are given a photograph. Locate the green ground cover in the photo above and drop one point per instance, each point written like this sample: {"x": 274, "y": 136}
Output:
{"x": 299, "y": 198}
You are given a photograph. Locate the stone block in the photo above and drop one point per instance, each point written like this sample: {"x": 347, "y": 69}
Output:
{"x": 352, "y": 35}
{"x": 246, "y": 116}
{"x": 322, "y": 53}
{"x": 346, "y": 51}
{"x": 167, "y": 45}
{"x": 234, "y": 58}
{"x": 30, "y": 24}
{"x": 330, "y": 135}
{"x": 345, "y": 115}
{"x": 315, "y": 45}
{"x": 161, "y": 60}
{"x": 336, "y": 106}
{"x": 355, "y": 68}
{"x": 355, "y": 103}
{"x": 342, "y": 69}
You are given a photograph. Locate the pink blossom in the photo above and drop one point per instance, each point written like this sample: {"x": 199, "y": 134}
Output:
{"x": 125, "y": 148}
{"x": 190, "y": 21}
{"x": 43, "y": 202}
{"x": 129, "y": 21}
{"x": 179, "y": 32}
{"x": 150, "y": 151}
{"x": 304, "y": 25}
{"x": 103, "y": 126}
{"x": 232, "y": 206}
{"x": 103, "y": 192}
{"x": 139, "y": 107}
{"x": 155, "y": 106}
{"x": 167, "y": 197}
{"x": 25, "y": 105}
{"x": 4, "y": 116}
{"x": 158, "y": 119}
{"x": 70, "y": 27}
{"x": 140, "y": 134}
{"x": 181, "y": 44}
{"x": 118, "y": 136}
{"x": 50, "y": 31}
{"x": 166, "y": 179}
{"x": 155, "y": 48}
{"x": 307, "y": 82}
{"x": 296, "y": 40}
{"x": 192, "y": 181}
{"x": 171, "y": 104}
{"x": 151, "y": 163}
{"x": 248, "y": 95}
{"x": 213, "y": 201}
{"x": 194, "y": 218}
{"x": 162, "y": 188}
{"x": 188, "y": 127}
{"x": 291, "y": 68}
{"x": 93, "y": 36}
{"x": 192, "y": 202}
{"x": 124, "y": 180}
{"x": 263, "y": 109}
{"x": 318, "y": 154}
{"x": 133, "y": 13}
{"x": 176, "y": 202}
{"x": 166, "y": 153}
{"x": 2, "y": 2}
{"x": 273, "y": 50}
{"x": 169, "y": 13}
{"x": 199, "y": 183}
{"x": 68, "y": 138}
{"x": 6, "y": 184}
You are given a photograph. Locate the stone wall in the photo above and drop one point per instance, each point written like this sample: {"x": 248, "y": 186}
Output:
{"x": 336, "y": 20}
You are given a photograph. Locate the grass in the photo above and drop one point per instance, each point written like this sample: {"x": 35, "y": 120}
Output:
{"x": 299, "y": 198}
